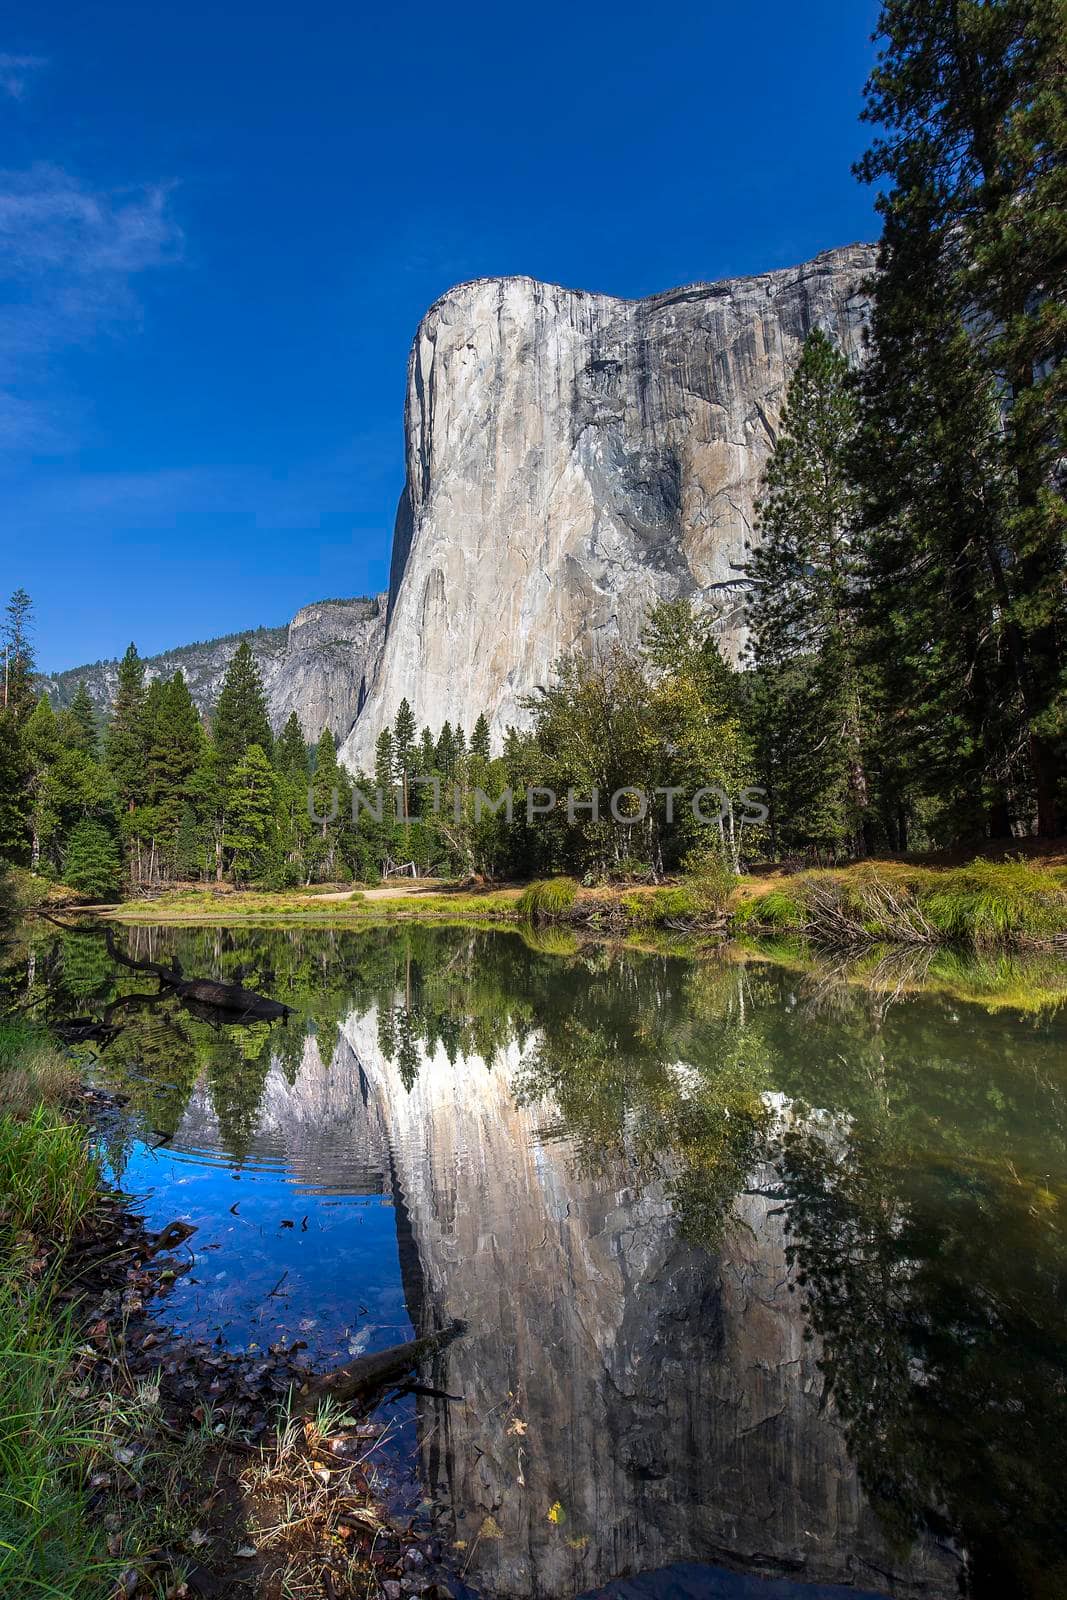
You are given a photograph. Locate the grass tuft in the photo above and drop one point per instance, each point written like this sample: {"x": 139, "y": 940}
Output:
{"x": 48, "y": 1180}
{"x": 547, "y": 898}
{"x": 49, "y": 1544}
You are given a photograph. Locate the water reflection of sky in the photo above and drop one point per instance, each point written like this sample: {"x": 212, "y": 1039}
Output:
{"x": 274, "y": 1257}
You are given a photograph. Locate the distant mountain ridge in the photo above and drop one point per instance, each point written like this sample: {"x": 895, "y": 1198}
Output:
{"x": 317, "y": 665}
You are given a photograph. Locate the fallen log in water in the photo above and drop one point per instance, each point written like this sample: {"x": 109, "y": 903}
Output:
{"x": 245, "y": 1003}
{"x": 367, "y": 1373}
{"x": 230, "y": 997}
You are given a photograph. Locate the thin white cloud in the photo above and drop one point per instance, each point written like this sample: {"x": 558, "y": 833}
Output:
{"x": 69, "y": 260}
{"x": 16, "y": 72}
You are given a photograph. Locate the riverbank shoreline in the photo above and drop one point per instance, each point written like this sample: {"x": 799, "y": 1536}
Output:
{"x": 1012, "y": 903}
{"x": 149, "y": 1461}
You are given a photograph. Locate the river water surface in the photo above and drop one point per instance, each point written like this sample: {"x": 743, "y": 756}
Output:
{"x": 762, "y": 1263}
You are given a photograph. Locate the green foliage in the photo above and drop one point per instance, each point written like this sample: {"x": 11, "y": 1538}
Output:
{"x": 776, "y": 908}
{"x": 19, "y": 695}
{"x": 290, "y": 750}
{"x": 985, "y": 903}
{"x": 79, "y": 723}
{"x": 124, "y": 742}
{"x": 241, "y": 714}
{"x": 250, "y": 814}
{"x": 92, "y": 863}
{"x": 173, "y": 740}
{"x": 966, "y": 397}
{"x": 50, "y": 1542}
{"x": 711, "y": 882}
{"x": 809, "y": 708}
{"x": 479, "y": 746}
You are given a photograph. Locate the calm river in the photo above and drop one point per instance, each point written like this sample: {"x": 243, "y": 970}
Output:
{"x": 763, "y": 1263}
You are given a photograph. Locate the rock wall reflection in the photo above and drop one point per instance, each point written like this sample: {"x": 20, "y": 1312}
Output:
{"x": 628, "y": 1398}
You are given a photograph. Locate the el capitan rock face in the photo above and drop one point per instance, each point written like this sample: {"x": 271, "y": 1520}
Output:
{"x": 573, "y": 457}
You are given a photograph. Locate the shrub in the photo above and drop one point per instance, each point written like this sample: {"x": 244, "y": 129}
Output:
{"x": 283, "y": 875}
{"x": 711, "y": 880}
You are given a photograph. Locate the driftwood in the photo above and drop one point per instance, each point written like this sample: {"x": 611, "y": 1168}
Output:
{"x": 368, "y": 1373}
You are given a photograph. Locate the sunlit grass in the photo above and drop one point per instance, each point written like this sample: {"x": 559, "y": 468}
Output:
{"x": 547, "y": 898}
{"x": 984, "y": 904}
{"x": 32, "y": 1070}
{"x": 50, "y": 1545}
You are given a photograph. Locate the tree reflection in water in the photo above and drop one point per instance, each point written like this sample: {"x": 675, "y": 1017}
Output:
{"x": 914, "y": 1140}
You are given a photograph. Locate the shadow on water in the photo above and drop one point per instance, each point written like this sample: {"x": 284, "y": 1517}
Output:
{"x": 762, "y": 1260}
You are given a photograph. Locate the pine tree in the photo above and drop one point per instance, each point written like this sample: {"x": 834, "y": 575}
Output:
{"x": 19, "y": 697}
{"x": 189, "y": 859}
{"x": 251, "y": 800}
{"x": 241, "y": 715}
{"x": 290, "y": 750}
{"x": 14, "y": 833}
{"x": 207, "y": 794}
{"x": 92, "y": 863}
{"x": 81, "y": 729}
{"x": 936, "y": 606}
{"x": 970, "y": 97}
{"x": 124, "y": 741}
{"x": 173, "y": 737}
{"x": 480, "y": 738}
{"x": 446, "y": 751}
{"x": 806, "y": 578}
{"x": 41, "y": 748}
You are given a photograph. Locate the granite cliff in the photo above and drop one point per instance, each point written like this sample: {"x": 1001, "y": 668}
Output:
{"x": 317, "y": 666}
{"x": 572, "y": 457}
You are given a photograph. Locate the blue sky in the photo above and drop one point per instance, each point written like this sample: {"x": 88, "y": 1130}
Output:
{"x": 219, "y": 226}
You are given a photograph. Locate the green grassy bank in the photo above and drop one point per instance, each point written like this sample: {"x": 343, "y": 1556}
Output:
{"x": 50, "y": 1544}
{"x": 982, "y": 904}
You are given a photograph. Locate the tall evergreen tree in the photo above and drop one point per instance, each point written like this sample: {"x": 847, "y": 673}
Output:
{"x": 404, "y": 752}
{"x": 241, "y": 715}
{"x": 802, "y": 610}
{"x": 969, "y": 94}
{"x": 933, "y": 510}
{"x": 81, "y": 722}
{"x": 174, "y": 736}
{"x": 14, "y": 834}
{"x": 19, "y": 697}
{"x": 41, "y": 746}
{"x": 290, "y": 750}
{"x": 332, "y": 802}
{"x": 446, "y": 751}
{"x": 480, "y": 738}
{"x": 251, "y": 809}
{"x": 92, "y": 863}
{"x": 124, "y": 742}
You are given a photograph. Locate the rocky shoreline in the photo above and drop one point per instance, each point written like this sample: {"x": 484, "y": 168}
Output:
{"x": 222, "y": 1429}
